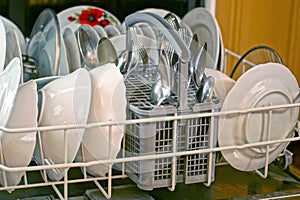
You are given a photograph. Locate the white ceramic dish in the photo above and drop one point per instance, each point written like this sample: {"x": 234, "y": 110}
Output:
{"x": 121, "y": 28}
{"x": 150, "y": 45}
{"x": 221, "y": 62}
{"x": 65, "y": 100}
{"x": 108, "y": 103}
{"x": 13, "y": 48}
{"x": 9, "y": 81}
{"x": 223, "y": 83}
{"x": 100, "y": 31}
{"x": 3, "y": 49}
{"x": 260, "y": 86}
{"x": 73, "y": 17}
{"x": 10, "y": 25}
{"x": 111, "y": 31}
{"x": 72, "y": 51}
{"x": 45, "y": 63}
{"x": 46, "y": 31}
{"x": 202, "y": 22}
{"x": 63, "y": 67}
{"x": 17, "y": 148}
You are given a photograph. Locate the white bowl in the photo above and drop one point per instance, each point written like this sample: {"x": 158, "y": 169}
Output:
{"x": 223, "y": 83}
{"x": 108, "y": 103}
{"x": 9, "y": 81}
{"x": 18, "y": 148}
{"x": 65, "y": 101}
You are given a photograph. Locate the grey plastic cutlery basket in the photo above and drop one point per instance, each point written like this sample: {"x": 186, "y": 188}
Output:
{"x": 157, "y": 137}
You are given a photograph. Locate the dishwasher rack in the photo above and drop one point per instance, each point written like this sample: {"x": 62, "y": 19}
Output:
{"x": 121, "y": 160}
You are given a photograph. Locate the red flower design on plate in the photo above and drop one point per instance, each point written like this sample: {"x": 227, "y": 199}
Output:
{"x": 92, "y": 16}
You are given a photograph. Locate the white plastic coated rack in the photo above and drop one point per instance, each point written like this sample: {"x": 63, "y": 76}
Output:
{"x": 107, "y": 191}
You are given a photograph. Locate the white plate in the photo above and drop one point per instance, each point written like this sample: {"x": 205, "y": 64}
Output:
{"x": 13, "y": 48}
{"x": 260, "y": 86}
{"x": 223, "y": 83}
{"x": 100, "y": 31}
{"x": 72, "y": 51}
{"x": 111, "y": 31}
{"x": 10, "y": 25}
{"x": 18, "y": 148}
{"x": 121, "y": 28}
{"x": 150, "y": 45}
{"x": 201, "y": 21}
{"x": 46, "y": 31}
{"x": 221, "y": 61}
{"x": 9, "y": 81}
{"x": 3, "y": 48}
{"x": 65, "y": 100}
{"x": 45, "y": 63}
{"x": 73, "y": 17}
{"x": 108, "y": 103}
{"x": 63, "y": 67}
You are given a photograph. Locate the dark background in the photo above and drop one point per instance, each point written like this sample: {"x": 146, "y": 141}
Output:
{"x": 25, "y": 12}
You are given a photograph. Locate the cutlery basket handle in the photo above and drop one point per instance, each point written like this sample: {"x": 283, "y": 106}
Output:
{"x": 172, "y": 36}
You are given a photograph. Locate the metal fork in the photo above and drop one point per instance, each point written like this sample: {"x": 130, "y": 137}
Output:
{"x": 139, "y": 46}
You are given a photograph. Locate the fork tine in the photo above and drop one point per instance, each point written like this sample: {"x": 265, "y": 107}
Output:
{"x": 140, "y": 48}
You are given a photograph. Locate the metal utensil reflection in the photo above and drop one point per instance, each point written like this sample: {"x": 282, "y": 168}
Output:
{"x": 161, "y": 89}
{"x": 87, "y": 42}
{"x": 106, "y": 52}
{"x": 205, "y": 90}
{"x": 199, "y": 64}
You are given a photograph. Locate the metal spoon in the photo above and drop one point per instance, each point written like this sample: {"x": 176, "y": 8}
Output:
{"x": 87, "y": 42}
{"x": 161, "y": 86}
{"x": 199, "y": 63}
{"x": 107, "y": 52}
{"x": 193, "y": 46}
{"x": 172, "y": 20}
{"x": 205, "y": 91}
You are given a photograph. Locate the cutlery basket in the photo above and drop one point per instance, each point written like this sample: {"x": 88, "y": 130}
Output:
{"x": 156, "y": 138}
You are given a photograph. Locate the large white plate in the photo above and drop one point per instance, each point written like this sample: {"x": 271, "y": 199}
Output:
{"x": 108, "y": 103}
{"x": 65, "y": 100}
{"x": 73, "y": 17}
{"x": 63, "y": 67}
{"x": 18, "y": 148}
{"x": 112, "y": 31}
{"x": 263, "y": 85}
{"x": 13, "y": 48}
{"x": 9, "y": 81}
{"x": 100, "y": 31}
{"x": 10, "y": 25}
{"x": 202, "y": 22}
{"x": 3, "y": 48}
{"x": 72, "y": 49}
{"x": 46, "y": 32}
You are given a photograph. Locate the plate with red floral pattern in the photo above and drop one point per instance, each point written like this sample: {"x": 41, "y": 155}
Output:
{"x": 73, "y": 17}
